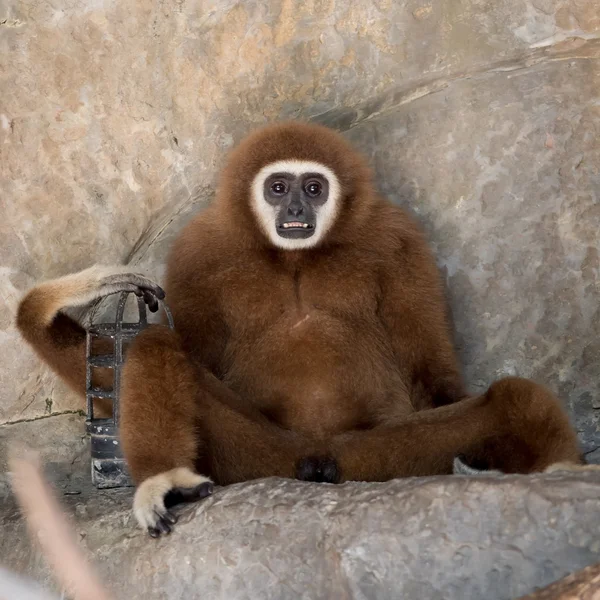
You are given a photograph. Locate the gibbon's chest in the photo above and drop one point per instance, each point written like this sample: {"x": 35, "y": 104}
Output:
{"x": 307, "y": 347}
{"x": 262, "y": 298}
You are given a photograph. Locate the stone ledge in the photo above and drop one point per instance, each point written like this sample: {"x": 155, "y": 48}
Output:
{"x": 441, "y": 537}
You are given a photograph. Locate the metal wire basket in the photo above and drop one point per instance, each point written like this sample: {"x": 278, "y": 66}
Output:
{"x": 109, "y": 469}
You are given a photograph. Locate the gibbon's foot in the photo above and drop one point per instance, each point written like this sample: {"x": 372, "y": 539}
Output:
{"x": 181, "y": 495}
{"x": 157, "y": 494}
{"x": 319, "y": 469}
{"x": 572, "y": 467}
{"x": 461, "y": 466}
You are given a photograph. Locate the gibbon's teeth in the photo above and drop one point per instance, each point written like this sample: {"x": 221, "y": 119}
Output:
{"x": 302, "y": 225}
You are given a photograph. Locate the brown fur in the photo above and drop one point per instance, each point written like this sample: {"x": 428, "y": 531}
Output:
{"x": 341, "y": 350}
{"x": 58, "y": 340}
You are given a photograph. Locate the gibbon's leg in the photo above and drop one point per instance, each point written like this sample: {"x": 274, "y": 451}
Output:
{"x": 517, "y": 426}
{"x": 59, "y": 340}
{"x": 158, "y": 427}
{"x": 243, "y": 444}
{"x": 176, "y": 418}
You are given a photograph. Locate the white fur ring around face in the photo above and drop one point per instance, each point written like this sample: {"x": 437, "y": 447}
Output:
{"x": 265, "y": 214}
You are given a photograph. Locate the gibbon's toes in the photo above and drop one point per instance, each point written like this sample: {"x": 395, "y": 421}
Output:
{"x": 180, "y": 495}
{"x": 319, "y": 469}
{"x": 157, "y": 494}
{"x": 163, "y": 523}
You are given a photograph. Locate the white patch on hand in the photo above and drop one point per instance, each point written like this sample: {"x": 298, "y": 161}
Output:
{"x": 79, "y": 289}
{"x": 95, "y": 282}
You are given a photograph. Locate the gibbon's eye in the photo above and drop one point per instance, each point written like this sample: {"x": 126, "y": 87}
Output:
{"x": 313, "y": 188}
{"x": 279, "y": 188}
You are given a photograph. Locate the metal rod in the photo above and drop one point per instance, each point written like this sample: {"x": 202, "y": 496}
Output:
{"x": 88, "y": 378}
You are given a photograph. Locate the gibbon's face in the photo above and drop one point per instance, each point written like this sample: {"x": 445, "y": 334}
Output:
{"x": 295, "y": 202}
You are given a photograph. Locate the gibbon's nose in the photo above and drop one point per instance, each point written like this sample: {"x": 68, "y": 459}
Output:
{"x": 295, "y": 210}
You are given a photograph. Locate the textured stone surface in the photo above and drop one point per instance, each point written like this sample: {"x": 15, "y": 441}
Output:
{"x": 481, "y": 116}
{"x": 451, "y": 538}
{"x": 502, "y": 169}
{"x": 115, "y": 118}
{"x": 583, "y": 585}
{"x": 62, "y": 445}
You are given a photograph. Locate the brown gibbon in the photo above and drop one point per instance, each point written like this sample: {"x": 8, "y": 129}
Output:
{"x": 311, "y": 340}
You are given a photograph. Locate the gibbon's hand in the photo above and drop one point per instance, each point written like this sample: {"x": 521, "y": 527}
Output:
{"x": 41, "y": 304}
{"x": 99, "y": 281}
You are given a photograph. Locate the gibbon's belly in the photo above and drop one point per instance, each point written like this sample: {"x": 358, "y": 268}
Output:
{"x": 311, "y": 372}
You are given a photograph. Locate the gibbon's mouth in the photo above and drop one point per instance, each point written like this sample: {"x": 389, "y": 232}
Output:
{"x": 295, "y": 229}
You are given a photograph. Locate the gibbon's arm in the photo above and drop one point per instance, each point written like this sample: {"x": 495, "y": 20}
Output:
{"x": 59, "y": 340}
{"x": 413, "y": 308}
{"x": 194, "y": 280}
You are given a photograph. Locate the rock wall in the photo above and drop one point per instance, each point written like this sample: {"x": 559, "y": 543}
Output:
{"x": 114, "y": 119}
{"x": 481, "y": 115}
{"x": 502, "y": 169}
